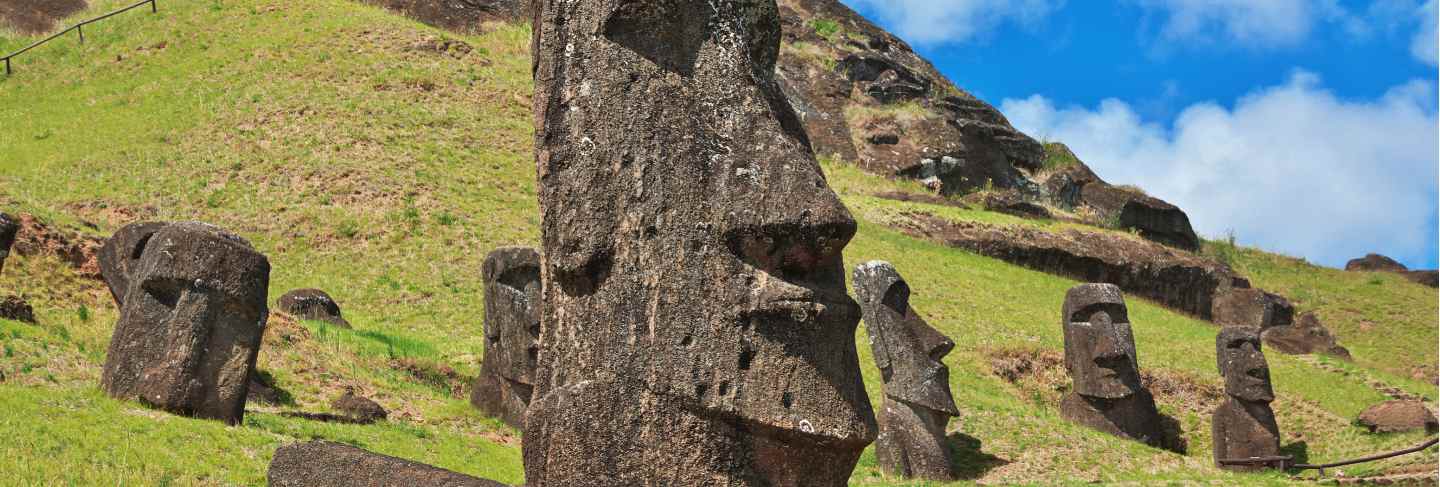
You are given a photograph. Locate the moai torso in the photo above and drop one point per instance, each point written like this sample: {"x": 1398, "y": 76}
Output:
{"x": 918, "y": 403}
{"x": 512, "y": 331}
{"x": 695, "y": 326}
{"x": 1244, "y": 425}
{"x": 1100, "y": 357}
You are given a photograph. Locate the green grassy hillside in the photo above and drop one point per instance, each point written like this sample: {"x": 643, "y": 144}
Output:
{"x": 380, "y": 160}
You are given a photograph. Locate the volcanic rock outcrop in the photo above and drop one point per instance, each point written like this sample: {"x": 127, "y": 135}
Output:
{"x": 312, "y": 304}
{"x": 512, "y": 333}
{"x": 1244, "y": 425}
{"x": 36, "y": 237}
{"x": 1075, "y": 186}
{"x": 1252, "y": 308}
{"x": 190, "y": 325}
{"x": 8, "y": 228}
{"x": 908, "y": 351}
{"x": 1305, "y": 336}
{"x": 695, "y": 326}
{"x": 1398, "y": 415}
{"x": 1100, "y": 357}
{"x": 326, "y": 464}
{"x": 1380, "y": 263}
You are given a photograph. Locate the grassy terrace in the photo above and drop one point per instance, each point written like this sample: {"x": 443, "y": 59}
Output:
{"x": 368, "y": 156}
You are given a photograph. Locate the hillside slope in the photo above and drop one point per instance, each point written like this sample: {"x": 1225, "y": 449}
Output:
{"x": 380, "y": 160}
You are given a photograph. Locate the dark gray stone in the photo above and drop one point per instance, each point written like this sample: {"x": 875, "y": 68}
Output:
{"x": 16, "y": 308}
{"x": 326, "y": 464}
{"x": 120, "y": 255}
{"x": 695, "y": 326}
{"x": 918, "y": 403}
{"x": 1306, "y": 336}
{"x": 1244, "y": 425}
{"x": 359, "y": 407}
{"x": 8, "y": 229}
{"x": 190, "y": 323}
{"x": 312, "y": 304}
{"x": 512, "y": 333}
{"x": 1398, "y": 415}
{"x": 1252, "y": 308}
{"x": 1100, "y": 357}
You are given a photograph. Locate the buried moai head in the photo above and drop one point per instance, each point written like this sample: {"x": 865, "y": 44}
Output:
{"x": 907, "y": 350}
{"x": 512, "y": 312}
{"x": 1242, "y": 363}
{"x": 190, "y": 323}
{"x": 1099, "y": 344}
{"x": 692, "y": 248}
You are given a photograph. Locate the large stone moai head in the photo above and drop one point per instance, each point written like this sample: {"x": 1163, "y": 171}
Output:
{"x": 191, "y": 320}
{"x": 1099, "y": 344}
{"x": 694, "y": 295}
{"x": 512, "y": 333}
{"x": 907, "y": 350}
{"x": 1242, "y": 363}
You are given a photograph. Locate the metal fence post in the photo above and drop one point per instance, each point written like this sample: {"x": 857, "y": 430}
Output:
{"x": 152, "y": 6}
{"x": 81, "y": 29}
{"x": 7, "y": 66}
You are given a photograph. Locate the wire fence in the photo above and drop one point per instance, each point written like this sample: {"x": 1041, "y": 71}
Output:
{"x": 1284, "y": 462}
{"x": 78, "y": 28}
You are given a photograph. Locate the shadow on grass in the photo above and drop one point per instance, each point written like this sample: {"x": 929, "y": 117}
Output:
{"x": 1299, "y": 452}
{"x": 966, "y": 458}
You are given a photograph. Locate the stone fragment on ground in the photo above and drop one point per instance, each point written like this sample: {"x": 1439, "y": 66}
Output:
{"x": 512, "y": 333}
{"x": 16, "y": 308}
{"x": 326, "y": 464}
{"x": 1398, "y": 415}
{"x": 312, "y": 304}
{"x": 190, "y": 324}
{"x": 359, "y": 407}
{"x": 1305, "y": 336}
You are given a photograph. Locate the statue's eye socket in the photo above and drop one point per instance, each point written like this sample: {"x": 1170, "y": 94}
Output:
{"x": 1235, "y": 344}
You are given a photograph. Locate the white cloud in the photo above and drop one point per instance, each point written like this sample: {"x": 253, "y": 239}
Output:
{"x": 943, "y": 21}
{"x": 1261, "y": 23}
{"x": 1290, "y": 168}
{"x": 1424, "y": 44}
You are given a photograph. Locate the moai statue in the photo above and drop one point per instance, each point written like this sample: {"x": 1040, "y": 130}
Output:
{"x": 695, "y": 325}
{"x": 8, "y": 229}
{"x": 190, "y": 323}
{"x": 120, "y": 255}
{"x": 917, "y": 384}
{"x": 512, "y": 332}
{"x": 1243, "y": 426}
{"x": 1100, "y": 356}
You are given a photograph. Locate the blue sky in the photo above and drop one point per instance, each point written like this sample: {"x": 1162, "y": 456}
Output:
{"x": 1306, "y": 127}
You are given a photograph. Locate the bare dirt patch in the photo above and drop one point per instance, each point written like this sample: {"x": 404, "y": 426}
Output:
{"x": 457, "y": 15}
{"x": 31, "y": 17}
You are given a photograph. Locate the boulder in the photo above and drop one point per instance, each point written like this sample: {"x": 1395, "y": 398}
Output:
{"x": 697, "y": 329}
{"x": 1010, "y": 202}
{"x": 16, "y": 308}
{"x": 1252, "y": 308}
{"x": 359, "y": 407}
{"x": 1425, "y": 278}
{"x": 190, "y": 324}
{"x": 1244, "y": 425}
{"x": 1306, "y": 336}
{"x": 1375, "y": 262}
{"x": 1154, "y": 219}
{"x": 1398, "y": 415}
{"x": 1100, "y": 356}
{"x": 312, "y": 304}
{"x": 120, "y": 255}
{"x": 326, "y": 464}
{"x": 910, "y": 353}
{"x": 8, "y": 228}
{"x": 512, "y": 332}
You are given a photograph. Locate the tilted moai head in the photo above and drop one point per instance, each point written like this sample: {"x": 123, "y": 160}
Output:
{"x": 1099, "y": 344}
{"x": 692, "y": 248}
{"x": 512, "y": 312}
{"x": 120, "y": 256}
{"x": 190, "y": 324}
{"x": 1242, "y": 363}
{"x": 907, "y": 350}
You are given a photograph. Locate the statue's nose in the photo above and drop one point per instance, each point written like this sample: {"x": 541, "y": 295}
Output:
{"x": 796, "y": 239}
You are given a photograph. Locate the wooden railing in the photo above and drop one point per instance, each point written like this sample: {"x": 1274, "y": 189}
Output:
{"x": 78, "y": 28}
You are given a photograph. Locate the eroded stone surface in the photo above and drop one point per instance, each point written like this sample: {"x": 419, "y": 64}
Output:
{"x": 16, "y": 308}
{"x": 1244, "y": 425}
{"x": 312, "y": 304}
{"x": 8, "y": 228}
{"x": 1305, "y": 336}
{"x": 512, "y": 333}
{"x": 695, "y": 323}
{"x": 1252, "y": 308}
{"x": 918, "y": 402}
{"x": 120, "y": 255}
{"x": 326, "y": 464}
{"x": 1398, "y": 415}
{"x": 1101, "y": 359}
{"x": 190, "y": 323}
{"x": 359, "y": 407}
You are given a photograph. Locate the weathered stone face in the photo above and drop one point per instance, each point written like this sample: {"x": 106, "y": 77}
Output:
{"x": 8, "y": 228}
{"x": 694, "y": 295}
{"x": 326, "y": 464}
{"x": 908, "y": 351}
{"x": 1241, "y": 362}
{"x": 1244, "y": 429}
{"x": 120, "y": 256}
{"x": 1099, "y": 344}
{"x": 512, "y": 333}
{"x": 190, "y": 323}
{"x": 312, "y": 304}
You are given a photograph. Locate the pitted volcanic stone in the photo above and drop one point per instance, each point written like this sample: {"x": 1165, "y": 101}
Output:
{"x": 1398, "y": 415}
{"x": 326, "y": 464}
{"x": 512, "y": 332}
{"x": 359, "y": 407}
{"x": 8, "y": 228}
{"x": 918, "y": 402}
{"x": 1101, "y": 359}
{"x": 695, "y": 326}
{"x": 1244, "y": 425}
{"x": 120, "y": 255}
{"x": 190, "y": 323}
{"x": 312, "y": 304}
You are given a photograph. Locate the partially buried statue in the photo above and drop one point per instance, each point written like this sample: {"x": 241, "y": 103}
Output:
{"x": 695, "y": 326}
{"x": 908, "y": 351}
{"x": 512, "y": 331}
{"x": 1244, "y": 425}
{"x": 192, "y": 311}
{"x": 1100, "y": 356}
